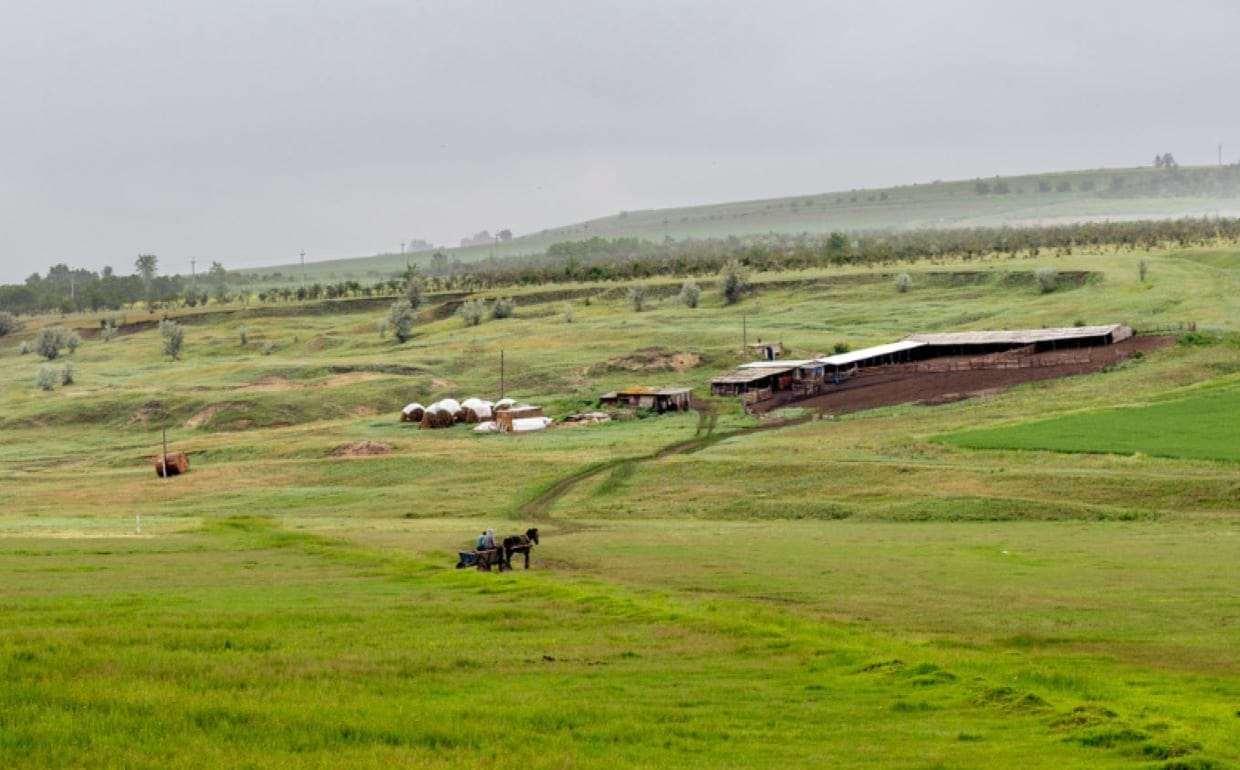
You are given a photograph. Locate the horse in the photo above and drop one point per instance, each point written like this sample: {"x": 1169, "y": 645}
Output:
{"x": 520, "y": 544}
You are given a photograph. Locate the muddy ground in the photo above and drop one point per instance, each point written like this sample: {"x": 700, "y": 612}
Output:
{"x": 903, "y": 383}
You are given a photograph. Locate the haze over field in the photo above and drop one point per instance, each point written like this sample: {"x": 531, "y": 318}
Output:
{"x": 240, "y": 133}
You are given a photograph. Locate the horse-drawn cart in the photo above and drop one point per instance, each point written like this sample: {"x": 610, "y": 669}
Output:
{"x": 501, "y": 556}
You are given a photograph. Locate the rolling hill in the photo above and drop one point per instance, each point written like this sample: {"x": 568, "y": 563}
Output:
{"x": 1033, "y": 199}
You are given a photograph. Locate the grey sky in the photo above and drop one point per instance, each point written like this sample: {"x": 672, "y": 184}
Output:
{"x": 244, "y": 131}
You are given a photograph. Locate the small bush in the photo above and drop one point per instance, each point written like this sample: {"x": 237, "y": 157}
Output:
{"x": 1197, "y": 338}
{"x": 108, "y": 332}
{"x": 68, "y": 374}
{"x": 568, "y": 313}
{"x": 471, "y": 312}
{"x": 637, "y": 297}
{"x": 9, "y": 324}
{"x": 47, "y": 378}
{"x": 50, "y": 342}
{"x": 414, "y": 291}
{"x": 269, "y": 347}
{"x": 173, "y": 335}
{"x": 689, "y": 294}
{"x": 400, "y": 320}
{"x": 903, "y": 283}
{"x": 841, "y": 347}
{"x": 243, "y": 336}
{"x": 72, "y": 342}
{"x": 1143, "y": 268}
{"x": 503, "y": 308}
{"x": 24, "y": 348}
{"x": 382, "y": 328}
{"x": 735, "y": 282}
{"x": 1048, "y": 279}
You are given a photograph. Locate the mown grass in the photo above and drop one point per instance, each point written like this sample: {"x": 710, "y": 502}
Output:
{"x": 849, "y": 592}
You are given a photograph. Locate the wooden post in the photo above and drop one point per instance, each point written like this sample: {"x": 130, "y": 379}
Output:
{"x": 501, "y": 373}
{"x": 744, "y": 335}
{"x": 163, "y": 464}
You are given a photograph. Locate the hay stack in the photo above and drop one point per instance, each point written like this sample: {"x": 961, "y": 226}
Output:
{"x": 505, "y": 403}
{"x": 172, "y": 464}
{"x": 437, "y": 416}
{"x": 412, "y": 413}
{"x": 476, "y": 410}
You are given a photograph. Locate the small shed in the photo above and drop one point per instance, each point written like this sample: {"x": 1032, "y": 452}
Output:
{"x": 659, "y": 399}
{"x": 766, "y": 351}
{"x": 505, "y": 418}
{"x": 753, "y": 378}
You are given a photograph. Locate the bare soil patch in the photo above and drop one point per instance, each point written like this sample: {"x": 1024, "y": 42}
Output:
{"x": 905, "y": 383}
{"x": 206, "y": 415}
{"x": 362, "y": 449}
{"x": 650, "y": 360}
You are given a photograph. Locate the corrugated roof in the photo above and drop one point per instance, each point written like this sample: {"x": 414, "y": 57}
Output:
{"x": 646, "y": 390}
{"x": 1016, "y": 336}
{"x": 855, "y": 356}
{"x": 780, "y": 364}
{"x": 743, "y": 376}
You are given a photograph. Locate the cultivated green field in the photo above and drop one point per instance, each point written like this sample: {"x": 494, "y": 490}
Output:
{"x": 851, "y": 592}
{"x": 926, "y": 205}
{"x": 1202, "y": 426}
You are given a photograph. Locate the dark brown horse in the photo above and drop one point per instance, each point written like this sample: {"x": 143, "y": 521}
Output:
{"x": 520, "y": 544}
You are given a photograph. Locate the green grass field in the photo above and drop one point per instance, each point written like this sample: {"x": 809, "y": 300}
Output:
{"x": 1203, "y": 426}
{"x": 853, "y": 592}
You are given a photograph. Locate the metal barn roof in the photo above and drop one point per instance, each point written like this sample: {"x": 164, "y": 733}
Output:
{"x": 1018, "y": 336}
{"x": 780, "y": 364}
{"x": 744, "y": 376}
{"x": 855, "y": 356}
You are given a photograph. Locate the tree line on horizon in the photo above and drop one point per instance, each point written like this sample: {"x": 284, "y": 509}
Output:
{"x": 65, "y": 289}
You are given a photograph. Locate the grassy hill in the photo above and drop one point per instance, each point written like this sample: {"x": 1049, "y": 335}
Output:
{"x": 857, "y": 592}
{"x": 1099, "y": 194}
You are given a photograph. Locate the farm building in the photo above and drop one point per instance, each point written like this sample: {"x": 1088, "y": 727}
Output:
{"x": 762, "y": 378}
{"x": 891, "y": 353}
{"x": 766, "y": 351}
{"x": 1040, "y": 340}
{"x": 659, "y": 399}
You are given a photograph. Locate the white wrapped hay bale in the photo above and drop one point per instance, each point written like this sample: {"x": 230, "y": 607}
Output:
{"x": 412, "y": 413}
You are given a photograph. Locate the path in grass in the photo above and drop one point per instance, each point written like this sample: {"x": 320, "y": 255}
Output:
{"x": 1203, "y": 426}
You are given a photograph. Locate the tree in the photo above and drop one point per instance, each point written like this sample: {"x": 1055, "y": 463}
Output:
{"x": 147, "y": 265}
{"x": 173, "y": 335}
{"x": 414, "y": 291}
{"x": 47, "y": 378}
{"x": 689, "y": 294}
{"x": 400, "y": 320}
{"x": 472, "y": 311}
{"x": 637, "y": 297}
{"x": 735, "y": 282}
{"x": 504, "y": 235}
{"x": 503, "y": 308}
{"x": 1143, "y": 268}
{"x": 9, "y": 323}
{"x": 218, "y": 277}
{"x": 903, "y": 283}
{"x": 1048, "y": 279}
{"x": 50, "y": 341}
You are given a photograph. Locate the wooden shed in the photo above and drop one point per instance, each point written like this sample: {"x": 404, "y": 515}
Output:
{"x": 659, "y": 399}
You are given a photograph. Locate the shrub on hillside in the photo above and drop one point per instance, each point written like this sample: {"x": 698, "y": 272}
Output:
{"x": 414, "y": 291}
{"x": 9, "y": 323}
{"x": 689, "y": 294}
{"x": 637, "y": 297}
{"x": 471, "y": 312}
{"x": 568, "y": 313}
{"x": 72, "y": 341}
{"x": 50, "y": 342}
{"x": 503, "y": 308}
{"x": 24, "y": 348}
{"x": 108, "y": 332}
{"x": 400, "y": 320}
{"x": 68, "y": 374}
{"x": 1048, "y": 279}
{"x": 269, "y": 347}
{"x": 903, "y": 283}
{"x": 841, "y": 347}
{"x": 47, "y": 377}
{"x": 243, "y": 336}
{"x": 1143, "y": 268}
{"x": 173, "y": 335}
{"x": 735, "y": 282}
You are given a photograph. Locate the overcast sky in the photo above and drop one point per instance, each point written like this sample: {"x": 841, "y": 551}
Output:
{"x": 246, "y": 131}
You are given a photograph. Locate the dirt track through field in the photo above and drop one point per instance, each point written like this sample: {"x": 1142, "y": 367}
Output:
{"x": 905, "y": 384}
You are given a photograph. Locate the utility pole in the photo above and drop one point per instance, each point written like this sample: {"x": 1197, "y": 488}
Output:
{"x": 193, "y": 273}
{"x": 402, "y": 247}
{"x": 501, "y": 373}
{"x": 744, "y": 335}
{"x": 303, "y": 268}
{"x": 163, "y": 464}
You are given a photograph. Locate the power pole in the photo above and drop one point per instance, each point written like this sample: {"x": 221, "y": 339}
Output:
{"x": 193, "y": 273}
{"x": 744, "y": 335}
{"x": 1220, "y": 153}
{"x": 501, "y": 373}
{"x": 164, "y": 460}
{"x": 303, "y": 268}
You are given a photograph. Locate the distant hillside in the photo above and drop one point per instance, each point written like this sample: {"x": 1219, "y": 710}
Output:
{"x": 1034, "y": 199}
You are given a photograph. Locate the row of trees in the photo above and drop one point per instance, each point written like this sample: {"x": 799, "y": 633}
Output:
{"x": 67, "y": 290}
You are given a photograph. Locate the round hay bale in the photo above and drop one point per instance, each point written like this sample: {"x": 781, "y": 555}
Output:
{"x": 476, "y": 410}
{"x": 412, "y": 413}
{"x": 450, "y": 404}
{"x": 438, "y": 417}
